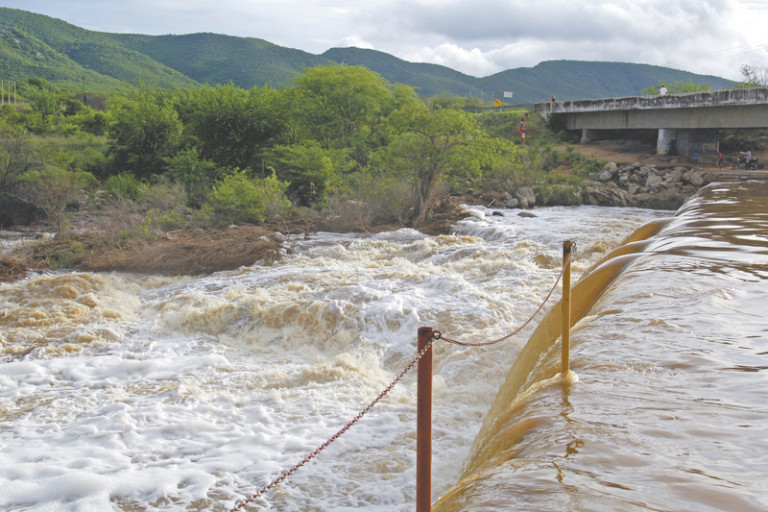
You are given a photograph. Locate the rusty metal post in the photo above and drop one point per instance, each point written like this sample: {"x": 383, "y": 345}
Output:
{"x": 566, "y": 314}
{"x": 424, "y": 424}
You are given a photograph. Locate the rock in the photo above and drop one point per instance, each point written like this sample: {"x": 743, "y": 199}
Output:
{"x": 497, "y": 213}
{"x": 693, "y": 177}
{"x": 673, "y": 177}
{"x": 624, "y": 177}
{"x": 670, "y": 199}
{"x": 604, "y": 175}
{"x": 15, "y": 212}
{"x": 609, "y": 172}
{"x": 604, "y": 196}
{"x": 526, "y": 196}
{"x": 653, "y": 182}
{"x": 527, "y": 215}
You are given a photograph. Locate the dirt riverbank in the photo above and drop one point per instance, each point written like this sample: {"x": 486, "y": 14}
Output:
{"x": 199, "y": 251}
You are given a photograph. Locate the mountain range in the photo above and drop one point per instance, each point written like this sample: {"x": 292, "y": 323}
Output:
{"x": 35, "y": 45}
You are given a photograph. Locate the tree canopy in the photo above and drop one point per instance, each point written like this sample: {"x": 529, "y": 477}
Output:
{"x": 340, "y": 135}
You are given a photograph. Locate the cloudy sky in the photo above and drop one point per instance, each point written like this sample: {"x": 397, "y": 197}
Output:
{"x": 477, "y": 37}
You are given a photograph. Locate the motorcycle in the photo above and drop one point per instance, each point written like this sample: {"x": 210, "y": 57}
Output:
{"x": 743, "y": 163}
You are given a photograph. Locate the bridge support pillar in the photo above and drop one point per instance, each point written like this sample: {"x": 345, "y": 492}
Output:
{"x": 588, "y": 135}
{"x": 665, "y": 141}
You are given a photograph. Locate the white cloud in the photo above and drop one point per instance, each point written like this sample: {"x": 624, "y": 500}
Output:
{"x": 472, "y": 62}
{"x": 354, "y": 41}
{"x": 478, "y": 37}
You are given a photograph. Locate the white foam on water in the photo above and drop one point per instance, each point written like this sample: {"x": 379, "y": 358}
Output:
{"x": 189, "y": 394}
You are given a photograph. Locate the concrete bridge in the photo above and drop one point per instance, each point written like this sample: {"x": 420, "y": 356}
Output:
{"x": 687, "y": 122}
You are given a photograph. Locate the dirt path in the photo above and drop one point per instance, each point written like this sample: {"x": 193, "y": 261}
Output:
{"x": 629, "y": 152}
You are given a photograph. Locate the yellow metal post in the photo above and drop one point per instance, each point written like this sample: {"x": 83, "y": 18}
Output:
{"x": 566, "y": 314}
{"x": 424, "y": 423}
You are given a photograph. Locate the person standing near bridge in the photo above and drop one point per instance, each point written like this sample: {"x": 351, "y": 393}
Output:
{"x": 720, "y": 158}
{"x": 522, "y": 129}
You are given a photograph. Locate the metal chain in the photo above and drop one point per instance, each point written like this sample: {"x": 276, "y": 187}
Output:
{"x": 239, "y": 505}
{"x": 530, "y": 318}
{"x": 436, "y": 335}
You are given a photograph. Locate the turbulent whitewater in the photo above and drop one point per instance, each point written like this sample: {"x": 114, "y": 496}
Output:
{"x": 136, "y": 393}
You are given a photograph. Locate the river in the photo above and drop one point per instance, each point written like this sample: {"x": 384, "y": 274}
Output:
{"x": 668, "y": 412}
{"x": 135, "y": 393}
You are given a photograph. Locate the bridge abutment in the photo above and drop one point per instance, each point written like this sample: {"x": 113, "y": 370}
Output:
{"x": 665, "y": 141}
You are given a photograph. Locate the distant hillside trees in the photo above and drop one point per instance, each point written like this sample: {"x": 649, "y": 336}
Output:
{"x": 676, "y": 87}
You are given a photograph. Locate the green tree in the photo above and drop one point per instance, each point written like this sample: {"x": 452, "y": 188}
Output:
{"x": 432, "y": 145}
{"x": 313, "y": 171}
{"x": 677, "y": 87}
{"x": 47, "y": 110}
{"x": 196, "y": 174}
{"x": 143, "y": 134}
{"x": 341, "y": 103}
{"x": 16, "y": 156}
{"x": 229, "y": 125}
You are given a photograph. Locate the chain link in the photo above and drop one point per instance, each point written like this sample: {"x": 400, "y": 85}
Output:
{"x": 436, "y": 335}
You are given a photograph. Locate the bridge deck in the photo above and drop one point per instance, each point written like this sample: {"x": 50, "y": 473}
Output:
{"x": 734, "y": 108}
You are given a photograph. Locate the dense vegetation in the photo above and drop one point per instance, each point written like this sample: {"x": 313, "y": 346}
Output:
{"x": 341, "y": 142}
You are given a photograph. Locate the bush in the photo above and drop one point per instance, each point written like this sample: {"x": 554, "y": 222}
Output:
{"x": 237, "y": 198}
{"x": 375, "y": 201}
{"x": 67, "y": 255}
{"x": 123, "y": 186}
{"x": 559, "y": 194}
{"x": 53, "y": 190}
{"x": 164, "y": 195}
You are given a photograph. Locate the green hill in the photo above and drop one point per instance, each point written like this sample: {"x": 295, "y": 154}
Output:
{"x": 566, "y": 80}
{"x": 213, "y": 58}
{"x": 427, "y": 79}
{"x": 572, "y": 80}
{"x": 34, "y": 45}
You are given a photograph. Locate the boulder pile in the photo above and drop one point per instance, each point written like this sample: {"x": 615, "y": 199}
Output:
{"x": 644, "y": 186}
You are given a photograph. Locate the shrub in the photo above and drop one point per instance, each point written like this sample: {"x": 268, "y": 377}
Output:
{"x": 557, "y": 194}
{"x": 238, "y": 198}
{"x": 163, "y": 195}
{"x": 53, "y": 190}
{"x": 374, "y": 201}
{"x": 67, "y": 255}
{"x": 123, "y": 186}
